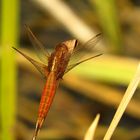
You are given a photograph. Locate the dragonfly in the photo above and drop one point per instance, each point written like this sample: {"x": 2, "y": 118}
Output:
{"x": 53, "y": 66}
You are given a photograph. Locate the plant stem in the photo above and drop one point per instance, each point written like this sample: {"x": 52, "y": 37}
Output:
{"x": 9, "y": 38}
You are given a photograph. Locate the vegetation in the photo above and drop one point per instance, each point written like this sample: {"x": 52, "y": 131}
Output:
{"x": 94, "y": 87}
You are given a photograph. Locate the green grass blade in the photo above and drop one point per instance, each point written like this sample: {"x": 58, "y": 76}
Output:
{"x": 9, "y": 37}
{"x": 107, "y": 14}
{"x": 110, "y": 69}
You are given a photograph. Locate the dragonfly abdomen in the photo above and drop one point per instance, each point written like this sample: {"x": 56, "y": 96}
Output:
{"x": 47, "y": 95}
{"x": 46, "y": 100}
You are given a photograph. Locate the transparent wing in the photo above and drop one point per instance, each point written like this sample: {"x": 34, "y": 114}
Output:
{"x": 85, "y": 50}
{"x": 87, "y": 46}
{"x": 40, "y": 49}
{"x": 39, "y": 66}
{"x": 70, "y": 67}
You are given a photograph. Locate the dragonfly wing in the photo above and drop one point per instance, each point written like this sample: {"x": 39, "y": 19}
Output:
{"x": 90, "y": 44}
{"x": 41, "y": 51}
{"x": 70, "y": 67}
{"x": 39, "y": 66}
{"x": 84, "y": 50}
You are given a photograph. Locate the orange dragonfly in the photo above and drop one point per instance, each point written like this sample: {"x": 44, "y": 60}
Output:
{"x": 54, "y": 66}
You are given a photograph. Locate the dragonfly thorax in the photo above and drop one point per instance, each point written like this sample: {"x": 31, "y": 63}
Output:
{"x": 59, "y": 59}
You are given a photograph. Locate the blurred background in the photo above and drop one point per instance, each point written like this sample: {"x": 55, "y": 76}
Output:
{"x": 96, "y": 86}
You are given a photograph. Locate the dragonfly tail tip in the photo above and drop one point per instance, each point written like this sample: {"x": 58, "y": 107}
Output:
{"x": 36, "y": 131}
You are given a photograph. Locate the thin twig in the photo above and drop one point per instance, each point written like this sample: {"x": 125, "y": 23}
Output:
{"x": 126, "y": 99}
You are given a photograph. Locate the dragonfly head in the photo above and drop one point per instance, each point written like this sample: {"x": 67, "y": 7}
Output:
{"x": 71, "y": 44}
